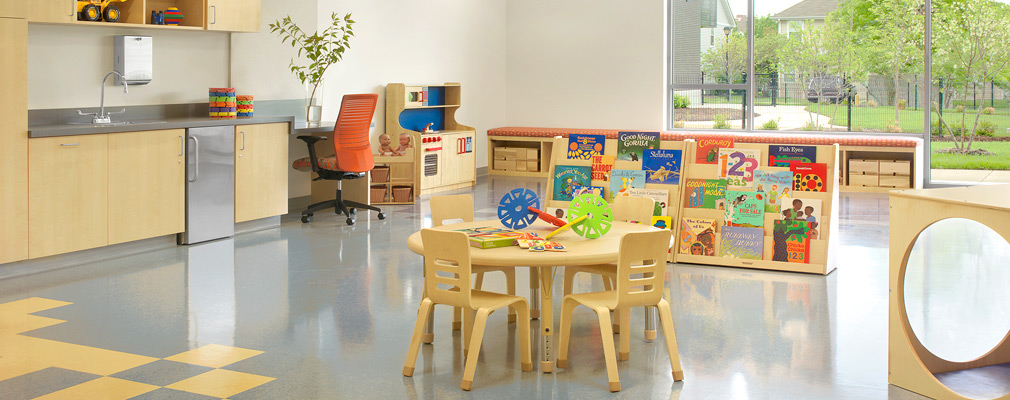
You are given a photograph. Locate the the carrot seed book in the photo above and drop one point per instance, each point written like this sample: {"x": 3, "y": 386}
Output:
{"x": 809, "y": 177}
{"x": 704, "y": 193}
{"x": 631, "y": 144}
{"x": 738, "y": 165}
{"x": 740, "y": 242}
{"x": 660, "y": 196}
{"x": 785, "y": 155}
{"x": 772, "y": 184}
{"x": 584, "y": 147}
{"x": 745, "y": 209}
{"x": 708, "y": 149}
{"x": 623, "y": 179}
{"x": 791, "y": 241}
{"x": 566, "y": 177}
{"x": 697, "y": 236}
{"x": 602, "y": 166}
{"x": 661, "y": 166}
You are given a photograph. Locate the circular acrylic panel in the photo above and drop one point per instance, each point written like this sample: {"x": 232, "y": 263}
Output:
{"x": 956, "y": 295}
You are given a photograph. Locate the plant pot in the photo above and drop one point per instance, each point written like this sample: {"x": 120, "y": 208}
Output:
{"x": 377, "y": 193}
{"x": 314, "y": 103}
{"x": 380, "y": 174}
{"x": 402, "y": 194}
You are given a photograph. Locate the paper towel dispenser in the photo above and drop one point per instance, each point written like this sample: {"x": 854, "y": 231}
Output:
{"x": 134, "y": 58}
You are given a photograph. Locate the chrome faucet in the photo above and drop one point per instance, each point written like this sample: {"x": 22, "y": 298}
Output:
{"x": 102, "y": 117}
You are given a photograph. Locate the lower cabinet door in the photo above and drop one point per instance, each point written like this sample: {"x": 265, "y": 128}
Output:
{"x": 67, "y": 194}
{"x": 147, "y": 184}
{"x": 261, "y": 171}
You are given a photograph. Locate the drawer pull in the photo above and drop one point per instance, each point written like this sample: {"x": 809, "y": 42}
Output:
{"x": 70, "y": 144}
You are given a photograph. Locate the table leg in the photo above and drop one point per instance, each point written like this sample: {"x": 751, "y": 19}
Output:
{"x": 650, "y": 323}
{"x": 547, "y": 319}
{"x": 534, "y": 293}
{"x": 429, "y": 328}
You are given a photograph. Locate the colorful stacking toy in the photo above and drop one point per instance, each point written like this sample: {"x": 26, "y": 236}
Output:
{"x": 173, "y": 16}
{"x": 223, "y": 103}
{"x": 245, "y": 105}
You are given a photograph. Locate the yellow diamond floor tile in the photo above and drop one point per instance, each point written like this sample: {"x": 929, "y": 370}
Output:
{"x": 214, "y": 355}
{"x": 220, "y": 383}
{"x": 104, "y": 388}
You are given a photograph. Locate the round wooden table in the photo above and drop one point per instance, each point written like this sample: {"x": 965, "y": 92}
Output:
{"x": 581, "y": 251}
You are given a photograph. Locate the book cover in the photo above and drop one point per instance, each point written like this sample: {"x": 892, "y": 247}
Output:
{"x": 738, "y": 165}
{"x": 660, "y": 196}
{"x": 744, "y": 208}
{"x": 740, "y": 242}
{"x": 495, "y": 240}
{"x": 584, "y": 147}
{"x": 708, "y": 149}
{"x": 697, "y": 236}
{"x": 662, "y": 222}
{"x": 631, "y": 144}
{"x": 579, "y": 190}
{"x": 801, "y": 209}
{"x": 484, "y": 230}
{"x": 704, "y": 193}
{"x": 566, "y": 177}
{"x": 601, "y": 167}
{"x": 661, "y": 166}
{"x": 792, "y": 241}
{"x": 809, "y": 177}
{"x": 623, "y": 179}
{"x": 773, "y": 184}
{"x": 784, "y": 156}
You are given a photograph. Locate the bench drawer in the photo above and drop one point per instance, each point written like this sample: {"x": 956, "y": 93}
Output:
{"x": 895, "y": 167}
{"x": 863, "y": 167}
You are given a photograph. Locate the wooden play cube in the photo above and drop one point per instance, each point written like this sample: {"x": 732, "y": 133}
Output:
{"x": 504, "y": 153}
{"x": 896, "y": 167}
{"x": 863, "y": 167}
{"x": 521, "y": 166}
{"x": 863, "y": 180}
{"x": 532, "y": 155}
{"x": 895, "y": 181}
{"x": 533, "y": 166}
{"x": 505, "y": 165}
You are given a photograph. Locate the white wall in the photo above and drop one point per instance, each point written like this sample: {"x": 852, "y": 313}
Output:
{"x": 586, "y": 63}
{"x": 259, "y": 61}
{"x": 66, "y": 65}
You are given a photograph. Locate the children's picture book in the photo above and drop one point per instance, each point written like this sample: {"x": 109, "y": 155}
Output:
{"x": 631, "y": 144}
{"x": 740, "y": 242}
{"x": 584, "y": 147}
{"x": 704, "y": 193}
{"x": 602, "y": 166}
{"x": 772, "y": 184}
{"x": 785, "y": 155}
{"x": 744, "y": 208}
{"x": 623, "y": 179}
{"x": 792, "y": 241}
{"x": 660, "y": 196}
{"x": 697, "y": 236}
{"x": 738, "y": 165}
{"x": 662, "y": 222}
{"x": 708, "y": 149}
{"x": 566, "y": 177}
{"x": 809, "y": 177}
{"x": 661, "y": 166}
{"x": 490, "y": 237}
{"x": 801, "y": 209}
{"x": 579, "y": 190}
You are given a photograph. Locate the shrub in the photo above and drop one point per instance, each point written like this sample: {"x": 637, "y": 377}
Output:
{"x": 871, "y": 103}
{"x": 720, "y": 122}
{"x": 681, "y": 101}
{"x": 679, "y": 124}
{"x": 959, "y": 109}
{"x": 893, "y": 127}
{"x": 771, "y": 125}
{"x": 810, "y": 126}
{"x": 988, "y": 111}
{"x": 986, "y": 128}
{"x": 902, "y": 104}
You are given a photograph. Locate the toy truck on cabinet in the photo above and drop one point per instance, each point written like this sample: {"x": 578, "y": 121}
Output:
{"x": 96, "y": 10}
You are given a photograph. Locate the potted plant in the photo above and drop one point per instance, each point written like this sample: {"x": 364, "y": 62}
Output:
{"x": 322, "y": 50}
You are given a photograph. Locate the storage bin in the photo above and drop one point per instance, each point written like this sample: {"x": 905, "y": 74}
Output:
{"x": 377, "y": 193}
{"x": 895, "y": 167}
{"x": 863, "y": 180}
{"x": 402, "y": 193}
{"x": 896, "y": 181}
{"x": 863, "y": 167}
{"x": 380, "y": 174}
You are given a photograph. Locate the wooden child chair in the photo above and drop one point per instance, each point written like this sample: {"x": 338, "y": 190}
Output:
{"x": 447, "y": 272}
{"x": 641, "y": 254}
{"x": 460, "y": 207}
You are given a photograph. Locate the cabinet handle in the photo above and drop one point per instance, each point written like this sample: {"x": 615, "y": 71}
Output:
{"x": 196, "y": 159}
{"x": 182, "y": 146}
{"x": 243, "y": 140}
{"x": 70, "y": 144}
{"x": 73, "y": 7}
{"x": 213, "y": 12}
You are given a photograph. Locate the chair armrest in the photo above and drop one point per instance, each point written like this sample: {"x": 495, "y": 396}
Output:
{"x": 311, "y": 142}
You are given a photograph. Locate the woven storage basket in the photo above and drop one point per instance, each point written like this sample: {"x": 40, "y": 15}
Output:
{"x": 402, "y": 194}
{"x": 377, "y": 193}
{"x": 380, "y": 174}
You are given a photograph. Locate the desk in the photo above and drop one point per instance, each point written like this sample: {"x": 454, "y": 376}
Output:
{"x": 581, "y": 251}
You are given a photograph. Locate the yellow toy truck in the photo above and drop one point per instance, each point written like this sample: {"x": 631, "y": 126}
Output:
{"x": 96, "y": 10}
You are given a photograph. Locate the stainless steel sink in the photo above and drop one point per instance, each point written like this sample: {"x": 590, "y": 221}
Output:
{"x": 115, "y": 123}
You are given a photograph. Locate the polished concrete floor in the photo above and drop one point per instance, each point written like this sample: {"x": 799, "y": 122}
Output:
{"x": 325, "y": 311}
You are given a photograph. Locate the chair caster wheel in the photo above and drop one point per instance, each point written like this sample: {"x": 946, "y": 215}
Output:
{"x": 382, "y": 216}
{"x": 350, "y": 221}
{"x": 354, "y": 211}
{"x": 306, "y": 218}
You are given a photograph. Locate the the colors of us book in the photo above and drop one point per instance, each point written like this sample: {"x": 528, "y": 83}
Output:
{"x": 584, "y": 147}
{"x": 566, "y": 177}
{"x": 738, "y": 165}
{"x": 745, "y": 208}
{"x": 631, "y": 144}
{"x": 601, "y": 167}
{"x": 809, "y": 177}
{"x": 660, "y": 196}
{"x": 741, "y": 242}
{"x": 697, "y": 236}
{"x": 774, "y": 184}
{"x": 786, "y": 155}
{"x": 623, "y": 179}
{"x": 708, "y": 149}
{"x": 792, "y": 241}
{"x": 661, "y": 166}
{"x": 704, "y": 193}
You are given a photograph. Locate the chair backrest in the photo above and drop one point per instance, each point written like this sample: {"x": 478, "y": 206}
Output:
{"x": 443, "y": 208}
{"x": 447, "y": 267}
{"x": 638, "y": 209}
{"x": 350, "y": 135}
{"x": 641, "y": 267}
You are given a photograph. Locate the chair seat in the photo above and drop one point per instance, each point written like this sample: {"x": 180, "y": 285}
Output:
{"x": 305, "y": 164}
{"x": 491, "y": 300}
{"x": 593, "y": 299}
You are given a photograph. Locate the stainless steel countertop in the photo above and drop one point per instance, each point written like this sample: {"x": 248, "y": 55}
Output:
{"x": 169, "y": 123}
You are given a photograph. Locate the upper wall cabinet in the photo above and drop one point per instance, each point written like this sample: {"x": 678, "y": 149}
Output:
{"x": 233, "y": 15}
{"x": 214, "y": 15}
{"x": 52, "y": 11}
{"x": 13, "y": 8}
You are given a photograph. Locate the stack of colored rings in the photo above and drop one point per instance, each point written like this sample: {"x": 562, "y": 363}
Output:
{"x": 245, "y": 106}
{"x": 223, "y": 103}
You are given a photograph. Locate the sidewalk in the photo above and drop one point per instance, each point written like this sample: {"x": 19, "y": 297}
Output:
{"x": 790, "y": 118}
{"x": 969, "y": 176}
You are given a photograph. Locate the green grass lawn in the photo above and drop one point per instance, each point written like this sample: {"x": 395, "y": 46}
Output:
{"x": 877, "y": 118}
{"x": 1000, "y": 161}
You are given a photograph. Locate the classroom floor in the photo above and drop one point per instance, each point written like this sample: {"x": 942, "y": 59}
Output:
{"x": 325, "y": 311}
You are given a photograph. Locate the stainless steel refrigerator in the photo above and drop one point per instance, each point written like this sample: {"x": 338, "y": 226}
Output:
{"x": 210, "y": 184}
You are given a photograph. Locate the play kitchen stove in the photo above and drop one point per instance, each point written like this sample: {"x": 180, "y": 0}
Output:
{"x": 434, "y": 145}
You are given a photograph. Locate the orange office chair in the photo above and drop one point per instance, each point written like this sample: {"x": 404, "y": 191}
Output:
{"x": 352, "y": 157}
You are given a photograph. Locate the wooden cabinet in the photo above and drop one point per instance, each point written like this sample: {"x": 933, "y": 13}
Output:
{"x": 147, "y": 184}
{"x": 459, "y": 160}
{"x": 52, "y": 11}
{"x": 14, "y": 141}
{"x": 67, "y": 194}
{"x": 261, "y": 171}
{"x": 14, "y": 8}
{"x": 233, "y": 15}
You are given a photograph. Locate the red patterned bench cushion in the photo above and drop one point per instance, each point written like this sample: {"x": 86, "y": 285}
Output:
{"x": 303, "y": 164}
{"x": 741, "y": 137}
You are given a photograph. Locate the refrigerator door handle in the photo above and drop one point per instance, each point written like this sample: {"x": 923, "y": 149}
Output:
{"x": 196, "y": 159}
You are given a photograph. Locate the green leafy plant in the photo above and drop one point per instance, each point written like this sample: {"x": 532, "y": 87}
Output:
{"x": 771, "y": 125}
{"x": 902, "y": 103}
{"x": 811, "y": 126}
{"x": 959, "y": 109}
{"x": 893, "y": 127}
{"x": 720, "y": 122}
{"x": 681, "y": 101}
{"x": 988, "y": 111}
{"x": 322, "y": 49}
{"x": 679, "y": 124}
{"x": 986, "y": 128}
